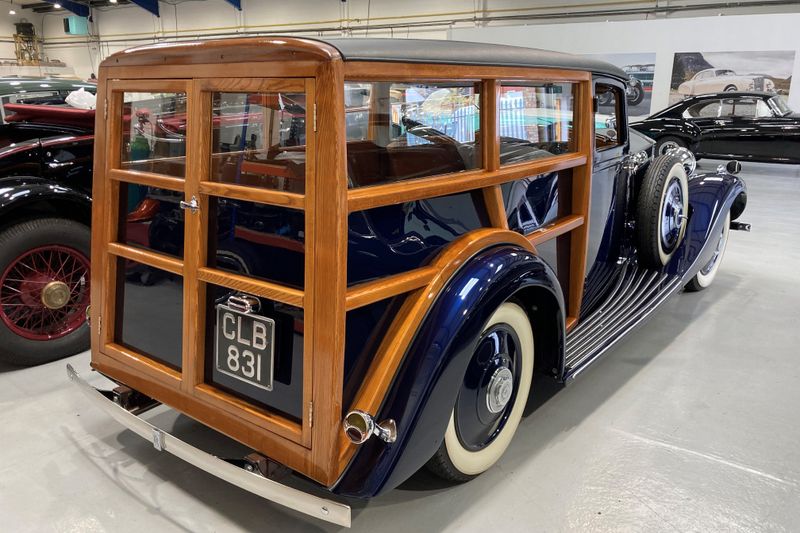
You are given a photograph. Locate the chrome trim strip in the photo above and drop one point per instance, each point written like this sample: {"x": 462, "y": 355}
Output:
{"x": 327, "y": 510}
{"x": 629, "y": 325}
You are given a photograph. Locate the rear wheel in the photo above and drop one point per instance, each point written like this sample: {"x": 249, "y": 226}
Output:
{"x": 44, "y": 290}
{"x": 492, "y": 397}
{"x": 730, "y": 89}
{"x": 706, "y": 276}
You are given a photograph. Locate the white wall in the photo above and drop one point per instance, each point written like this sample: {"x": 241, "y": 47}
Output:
{"x": 125, "y": 26}
{"x": 7, "y": 29}
{"x": 664, "y": 37}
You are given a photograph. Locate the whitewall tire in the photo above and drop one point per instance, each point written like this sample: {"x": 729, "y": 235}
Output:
{"x": 492, "y": 398}
{"x": 705, "y": 277}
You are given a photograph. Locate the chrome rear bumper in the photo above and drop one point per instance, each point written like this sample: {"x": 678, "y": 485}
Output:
{"x": 327, "y": 510}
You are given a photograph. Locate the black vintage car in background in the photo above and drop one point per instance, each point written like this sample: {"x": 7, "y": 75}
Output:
{"x": 45, "y": 213}
{"x": 750, "y": 126}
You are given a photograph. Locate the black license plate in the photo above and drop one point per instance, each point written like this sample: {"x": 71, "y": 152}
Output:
{"x": 245, "y": 346}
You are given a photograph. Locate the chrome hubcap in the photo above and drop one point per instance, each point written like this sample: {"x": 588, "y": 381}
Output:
{"x": 668, "y": 147}
{"x": 672, "y": 215}
{"x": 500, "y": 390}
{"x": 55, "y": 295}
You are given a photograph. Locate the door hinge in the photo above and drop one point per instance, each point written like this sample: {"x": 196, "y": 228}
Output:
{"x": 105, "y": 109}
{"x": 310, "y": 414}
{"x": 315, "y": 117}
{"x": 99, "y": 324}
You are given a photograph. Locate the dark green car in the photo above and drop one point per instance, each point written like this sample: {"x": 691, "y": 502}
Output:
{"x": 46, "y": 91}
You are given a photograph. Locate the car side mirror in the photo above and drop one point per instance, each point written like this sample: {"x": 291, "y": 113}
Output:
{"x": 733, "y": 167}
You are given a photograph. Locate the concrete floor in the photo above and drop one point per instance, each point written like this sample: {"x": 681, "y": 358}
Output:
{"x": 692, "y": 424}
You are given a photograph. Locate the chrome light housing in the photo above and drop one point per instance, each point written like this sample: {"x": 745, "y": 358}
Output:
{"x": 686, "y": 157}
{"x": 360, "y": 426}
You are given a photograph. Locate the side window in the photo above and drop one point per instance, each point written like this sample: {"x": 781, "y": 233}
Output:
{"x": 744, "y": 107}
{"x": 398, "y": 131}
{"x": 763, "y": 109}
{"x": 726, "y": 108}
{"x": 710, "y": 109}
{"x": 535, "y": 120}
{"x": 607, "y": 120}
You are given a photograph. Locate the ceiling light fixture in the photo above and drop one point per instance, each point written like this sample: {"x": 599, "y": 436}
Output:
{"x": 11, "y": 9}
{"x": 57, "y": 6}
{"x": 112, "y": 1}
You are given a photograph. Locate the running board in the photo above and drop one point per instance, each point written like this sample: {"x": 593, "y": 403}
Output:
{"x": 636, "y": 294}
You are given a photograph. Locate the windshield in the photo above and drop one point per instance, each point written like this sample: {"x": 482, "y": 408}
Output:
{"x": 779, "y": 104}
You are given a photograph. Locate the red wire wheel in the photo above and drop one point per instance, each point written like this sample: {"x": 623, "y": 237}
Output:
{"x": 44, "y": 292}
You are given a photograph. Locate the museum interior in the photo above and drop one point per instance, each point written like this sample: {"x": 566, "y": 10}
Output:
{"x": 449, "y": 265}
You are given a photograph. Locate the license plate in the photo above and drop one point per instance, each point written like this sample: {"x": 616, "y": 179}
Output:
{"x": 245, "y": 346}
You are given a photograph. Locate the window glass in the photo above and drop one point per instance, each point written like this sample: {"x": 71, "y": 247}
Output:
{"x": 399, "y": 131}
{"x": 607, "y": 118}
{"x": 742, "y": 107}
{"x": 150, "y": 311}
{"x": 708, "y": 109}
{"x": 151, "y": 218}
{"x": 762, "y": 109}
{"x": 258, "y": 140}
{"x": 535, "y": 120}
{"x": 154, "y": 133}
{"x": 780, "y": 105}
{"x": 257, "y": 240}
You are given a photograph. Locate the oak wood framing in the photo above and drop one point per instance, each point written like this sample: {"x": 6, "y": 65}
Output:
{"x": 314, "y": 445}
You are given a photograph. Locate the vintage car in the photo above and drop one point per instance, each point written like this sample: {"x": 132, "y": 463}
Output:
{"x": 714, "y": 80}
{"x": 750, "y": 126}
{"x": 355, "y": 301}
{"x": 37, "y": 91}
{"x": 641, "y": 82}
{"x": 45, "y": 212}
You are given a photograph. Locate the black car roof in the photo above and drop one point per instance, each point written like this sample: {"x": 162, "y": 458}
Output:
{"x": 689, "y": 100}
{"x": 371, "y": 49}
{"x": 466, "y": 53}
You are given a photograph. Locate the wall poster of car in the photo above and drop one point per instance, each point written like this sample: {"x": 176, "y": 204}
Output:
{"x": 696, "y": 73}
{"x": 640, "y": 67}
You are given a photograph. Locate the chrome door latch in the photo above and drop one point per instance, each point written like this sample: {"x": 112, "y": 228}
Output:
{"x": 191, "y": 205}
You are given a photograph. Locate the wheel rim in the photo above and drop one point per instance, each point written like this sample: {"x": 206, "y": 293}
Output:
{"x": 668, "y": 146}
{"x": 44, "y": 292}
{"x": 672, "y": 215}
{"x": 706, "y": 270}
{"x": 490, "y": 388}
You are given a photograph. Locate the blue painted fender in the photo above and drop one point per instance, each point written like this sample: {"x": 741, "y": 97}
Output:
{"x": 711, "y": 196}
{"x": 424, "y": 390}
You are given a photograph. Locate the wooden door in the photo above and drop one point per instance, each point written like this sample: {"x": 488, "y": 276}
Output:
{"x": 172, "y": 166}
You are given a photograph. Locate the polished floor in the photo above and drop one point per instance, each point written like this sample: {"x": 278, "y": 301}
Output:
{"x": 692, "y": 424}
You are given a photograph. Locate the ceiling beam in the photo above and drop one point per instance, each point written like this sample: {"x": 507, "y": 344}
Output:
{"x": 79, "y": 9}
{"x": 235, "y": 3}
{"x": 149, "y": 5}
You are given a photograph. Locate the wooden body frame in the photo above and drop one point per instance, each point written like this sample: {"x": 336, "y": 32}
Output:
{"x": 316, "y": 447}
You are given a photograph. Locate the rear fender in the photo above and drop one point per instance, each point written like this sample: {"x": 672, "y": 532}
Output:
{"x": 424, "y": 390}
{"x": 711, "y": 196}
{"x": 24, "y": 196}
